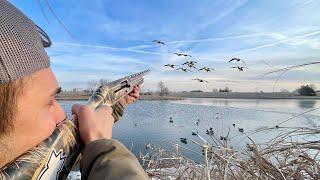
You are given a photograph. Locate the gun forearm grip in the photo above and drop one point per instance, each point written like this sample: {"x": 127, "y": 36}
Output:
{"x": 117, "y": 111}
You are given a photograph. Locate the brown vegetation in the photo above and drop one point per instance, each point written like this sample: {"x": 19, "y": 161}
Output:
{"x": 291, "y": 155}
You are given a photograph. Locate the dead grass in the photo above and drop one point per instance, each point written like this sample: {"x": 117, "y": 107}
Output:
{"x": 292, "y": 154}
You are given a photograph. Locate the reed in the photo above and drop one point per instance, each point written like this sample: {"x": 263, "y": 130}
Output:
{"x": 292, "y": 154}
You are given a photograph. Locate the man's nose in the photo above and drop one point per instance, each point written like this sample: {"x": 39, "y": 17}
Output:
{"x": 61, "y": 115}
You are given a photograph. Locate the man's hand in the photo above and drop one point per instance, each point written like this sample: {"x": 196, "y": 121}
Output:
{"x": 98, "y": 124}
{"x": 94, "y": 124}
{"x": 131, "y": 97}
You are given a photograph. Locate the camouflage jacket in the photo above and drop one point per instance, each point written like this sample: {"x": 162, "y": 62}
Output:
{"x": 109, "y": 159}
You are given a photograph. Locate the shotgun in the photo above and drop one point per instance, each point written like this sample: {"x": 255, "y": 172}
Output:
{"x": 55, "y": 157}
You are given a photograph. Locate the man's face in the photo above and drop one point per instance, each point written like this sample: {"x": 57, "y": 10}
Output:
{"x": 38, "y": 111}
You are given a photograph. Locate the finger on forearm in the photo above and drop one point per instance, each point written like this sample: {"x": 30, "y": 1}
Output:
{"x": 134, "y": 95}
{"x": 136, "y": 88}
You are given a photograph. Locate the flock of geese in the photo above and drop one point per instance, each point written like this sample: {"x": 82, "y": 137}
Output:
{"x": 188, "y": 66}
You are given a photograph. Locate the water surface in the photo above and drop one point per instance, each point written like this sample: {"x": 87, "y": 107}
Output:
{"x": 148, "y": 121}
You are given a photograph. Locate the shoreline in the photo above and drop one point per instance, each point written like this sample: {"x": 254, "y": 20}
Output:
{"x": 73, "y": 97}
{"x": 242, "y": 97}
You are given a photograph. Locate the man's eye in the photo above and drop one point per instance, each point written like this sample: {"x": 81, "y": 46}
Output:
{"x": 51, "y": 102}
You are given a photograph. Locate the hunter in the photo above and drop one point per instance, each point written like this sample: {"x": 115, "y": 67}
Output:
{"x": 29, "y": 112}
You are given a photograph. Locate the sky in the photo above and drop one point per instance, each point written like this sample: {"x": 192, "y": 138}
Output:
{"x": 110, "y": 39}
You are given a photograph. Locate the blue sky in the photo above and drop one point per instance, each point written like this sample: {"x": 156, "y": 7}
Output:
{"x": 111, "y": 39}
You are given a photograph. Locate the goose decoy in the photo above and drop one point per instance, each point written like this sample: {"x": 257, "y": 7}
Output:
{"x": 183, "y": 140}
{"x": 222, "y": 138}
{"x": 210, "y": 131}
{"x": 241, "y": 130}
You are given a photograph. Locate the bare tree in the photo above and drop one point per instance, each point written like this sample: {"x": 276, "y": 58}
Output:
{"x": 91, "y": 86}
{"x": 166, "y": 91}
{"x": 214, "y": 90}
{"x": 103, "y": 82}
{"x": 163, "y": 90}
{"x": 226, "y": 89}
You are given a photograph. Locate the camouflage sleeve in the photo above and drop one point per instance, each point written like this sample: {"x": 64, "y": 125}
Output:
{"x": 118, "y": 111}
{"x": 109, "y": 159}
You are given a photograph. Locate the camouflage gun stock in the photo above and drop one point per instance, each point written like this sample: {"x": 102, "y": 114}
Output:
{"x": 55, "y": 156}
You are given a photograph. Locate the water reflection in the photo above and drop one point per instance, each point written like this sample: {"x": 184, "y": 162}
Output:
{"x": 226, "y": 102}
{"x": 307, "y": 104}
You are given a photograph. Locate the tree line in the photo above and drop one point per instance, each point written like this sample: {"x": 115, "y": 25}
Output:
{"x": 163, "y": 90}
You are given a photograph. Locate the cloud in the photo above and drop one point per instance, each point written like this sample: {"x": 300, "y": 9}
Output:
{"x": 114, "y": 39}
{"x": 281, "y": 42}
{"x": 225, "y": 9}
{"x": 250, "y": 35}
{"x": 301, "y": 4}
{"x": 111, "y": 48}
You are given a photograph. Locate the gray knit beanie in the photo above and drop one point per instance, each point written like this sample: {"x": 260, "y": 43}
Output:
{"x": 21, "y": 44}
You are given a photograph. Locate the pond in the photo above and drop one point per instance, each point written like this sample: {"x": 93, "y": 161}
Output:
{"x": 149, "y": 121}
